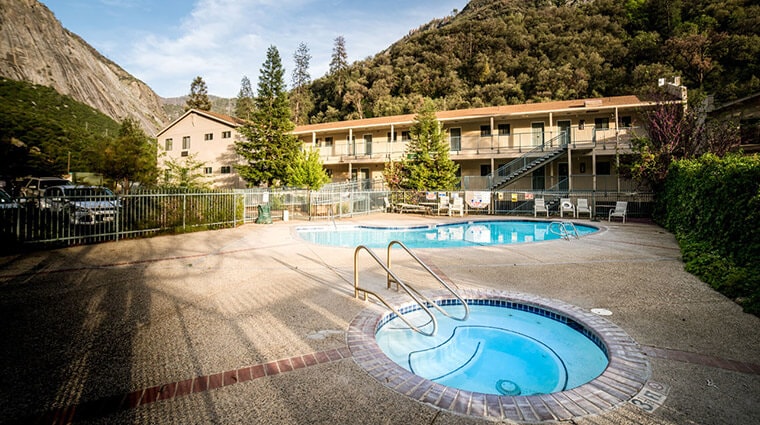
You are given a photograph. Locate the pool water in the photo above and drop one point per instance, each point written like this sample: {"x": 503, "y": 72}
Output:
{"x": 498, "y": 350}
{"x": 471, "y": 233}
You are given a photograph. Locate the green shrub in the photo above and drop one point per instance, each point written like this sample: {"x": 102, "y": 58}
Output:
{"x": 713, "y": 206}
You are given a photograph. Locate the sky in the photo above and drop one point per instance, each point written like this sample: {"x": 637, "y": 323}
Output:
{"x": 167, "y": 43}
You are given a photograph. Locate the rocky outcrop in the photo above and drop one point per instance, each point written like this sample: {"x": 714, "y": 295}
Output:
{"x": 34, "y": 47}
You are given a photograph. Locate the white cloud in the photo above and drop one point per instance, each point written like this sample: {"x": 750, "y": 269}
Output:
{"x": 222, "y": 40}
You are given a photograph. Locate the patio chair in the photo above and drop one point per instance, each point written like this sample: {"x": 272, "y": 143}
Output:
{"x": 619, "y": 211}
{"x": 388, "y": 206}
{"x": 443, "y": 205}
{"x": 566, "y": 206}
{"x": 539, "y": 205}
{"x": 457, "y": 205}
{"x": 582, "y": 207}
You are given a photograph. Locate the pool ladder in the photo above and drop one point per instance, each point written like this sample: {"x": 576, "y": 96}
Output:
{"x": 565, "y": 229}
{"x": 420, "y": 299}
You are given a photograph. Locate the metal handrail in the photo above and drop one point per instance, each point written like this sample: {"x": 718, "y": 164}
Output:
{"x": 563, "y": 232}
{"x": 432, "y": 273}
{"x": 406, "y": 288}
{"x": 526, "y": 157}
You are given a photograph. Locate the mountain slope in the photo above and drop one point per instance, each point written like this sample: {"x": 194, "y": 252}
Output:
{"x": 34, "y": 47}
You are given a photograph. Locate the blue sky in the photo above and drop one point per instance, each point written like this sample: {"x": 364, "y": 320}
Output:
{"x": 167, "y": 43}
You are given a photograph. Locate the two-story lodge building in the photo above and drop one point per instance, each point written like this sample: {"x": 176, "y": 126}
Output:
{"x": 564, "y": 145}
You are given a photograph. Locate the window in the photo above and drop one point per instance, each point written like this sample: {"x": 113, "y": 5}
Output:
{"x": 392, "y": 137}
{"x": 184, "y": 153}
{"x": 625, "y": 122}
{"x": 485, "y": 130}
{"x": 186, "y": 142}
{"x": 485, "y": 169}
{"x": 328, "y": 141}
{"x": 168, "y": 144}
{"x": 208, "y": 170}
{"x": 603, "y": 168}
{"x": 504, "y": 129}
{"x": 226, "y": 169}
{"x": 455, "y": 139}
{"x": 208, "y": 136}
{"x": 602, "y": 123}
{"x": 226, "y": 134}
{"x": 405, "y": 136}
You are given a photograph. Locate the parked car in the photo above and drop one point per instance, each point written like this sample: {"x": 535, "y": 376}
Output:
{"x": 82, "y": 204}
{"x": 34, "y": 187}
{"x": 7, "y": 201}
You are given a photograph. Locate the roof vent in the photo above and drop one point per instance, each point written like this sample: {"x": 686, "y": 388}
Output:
{"x": 593, "y": 102}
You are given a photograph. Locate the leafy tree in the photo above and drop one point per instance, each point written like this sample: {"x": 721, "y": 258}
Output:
{"x": 307, "y": 171}
{"x": 185, "y": 173}
{"x": 299, "y": 95}
{"x": 676, "y": 133}
{"x": 244, "y": 105}
{"x": 198, "y": 97}
{"x": 429, "y": 166}
{"x": 129, "y": 157}
{"x": 268, "y": 147}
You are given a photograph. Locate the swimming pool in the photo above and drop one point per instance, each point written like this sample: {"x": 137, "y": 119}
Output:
{"x": 503, "y": 349}
{"x": 451, "y": 235}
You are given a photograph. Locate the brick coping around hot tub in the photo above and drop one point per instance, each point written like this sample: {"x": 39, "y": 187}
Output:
{"x": 624, "y": 377}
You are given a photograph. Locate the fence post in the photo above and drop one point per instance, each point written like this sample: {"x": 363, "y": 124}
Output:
{"x": 184, "y": 210}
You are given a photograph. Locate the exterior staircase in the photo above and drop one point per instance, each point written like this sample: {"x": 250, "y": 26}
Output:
{"x": 535, "y": 158}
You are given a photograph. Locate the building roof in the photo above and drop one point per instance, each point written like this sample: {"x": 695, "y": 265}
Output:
{"x": 214, "y": 116}
{"x": 522, "y": 110}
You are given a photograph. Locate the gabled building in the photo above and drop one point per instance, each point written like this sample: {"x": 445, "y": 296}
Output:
{"x": 208, "y": 137}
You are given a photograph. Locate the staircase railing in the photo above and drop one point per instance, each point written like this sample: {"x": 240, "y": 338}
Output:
{"x": 518, "y": 163}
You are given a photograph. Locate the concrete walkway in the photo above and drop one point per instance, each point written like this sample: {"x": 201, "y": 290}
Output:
{"x": 248, "y": 325}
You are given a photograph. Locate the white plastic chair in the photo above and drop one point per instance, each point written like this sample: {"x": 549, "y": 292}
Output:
{"x": 457, "y": 205}
{"x": 582, "y": 207}
{"x": 619, "y": 211}
{"x": 539, "y": 205}
{"x": 443, "y": 205}
{"x": 566, "y": 206}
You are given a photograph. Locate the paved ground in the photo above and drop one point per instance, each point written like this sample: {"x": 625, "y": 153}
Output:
{"x": 248, "y": 325}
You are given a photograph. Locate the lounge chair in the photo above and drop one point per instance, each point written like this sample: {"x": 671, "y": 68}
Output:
{"x": 457, "y": 205}
{"x": 566, "y": 206}
{"x": 443, "y": 205}
{"x": 619, "y": 211}
{"x": 402, "y": 208}
{"x": 388, "y": 206}
{"x": 539, "y": 205}
{"x": 582, "y": 207}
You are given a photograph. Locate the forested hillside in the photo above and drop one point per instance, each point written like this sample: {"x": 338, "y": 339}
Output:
{"x": 498, "y": 52}
{"x": 43, "y": 132}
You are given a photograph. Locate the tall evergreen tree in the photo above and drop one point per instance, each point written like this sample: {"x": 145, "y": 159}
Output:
{"x": 198, "y": 97}
{"x": 429, "y": 166}
{"x": 244, "y": 105}
{"x": 299, "y": 95}
{"x": 339, "y": 59}
{"x": 268, "y": 147}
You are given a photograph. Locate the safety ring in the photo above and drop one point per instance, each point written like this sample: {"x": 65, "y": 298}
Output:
{"x": 567, "y": 205}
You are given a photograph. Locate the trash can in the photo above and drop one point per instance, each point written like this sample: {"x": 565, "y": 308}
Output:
{"x": 265, "y": 215}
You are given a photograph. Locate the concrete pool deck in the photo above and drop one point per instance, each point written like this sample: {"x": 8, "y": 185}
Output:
{"x": 249, "y": 325}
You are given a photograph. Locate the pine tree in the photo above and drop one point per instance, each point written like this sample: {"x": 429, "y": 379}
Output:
{"x": 299, "y": 95}
{"x": 244, "y": 104}
{"x": 268, "y": 147}
{"x": 429, "y": 166}
{"x": 339, "y": 59}
{"x": 198, "y": 97}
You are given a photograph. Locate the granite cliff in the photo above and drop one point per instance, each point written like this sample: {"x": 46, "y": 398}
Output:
{"x": 35, "y": 47}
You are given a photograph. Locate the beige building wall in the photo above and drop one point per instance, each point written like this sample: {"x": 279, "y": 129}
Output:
{"x": 207, "y": 139}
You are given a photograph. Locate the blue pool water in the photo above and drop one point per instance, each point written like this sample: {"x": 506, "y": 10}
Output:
{"x": 498, "y": 350}
{"x": 471, "y": 233}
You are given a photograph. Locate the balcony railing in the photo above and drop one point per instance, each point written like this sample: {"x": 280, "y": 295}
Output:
{"x": 380, "y": 149}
